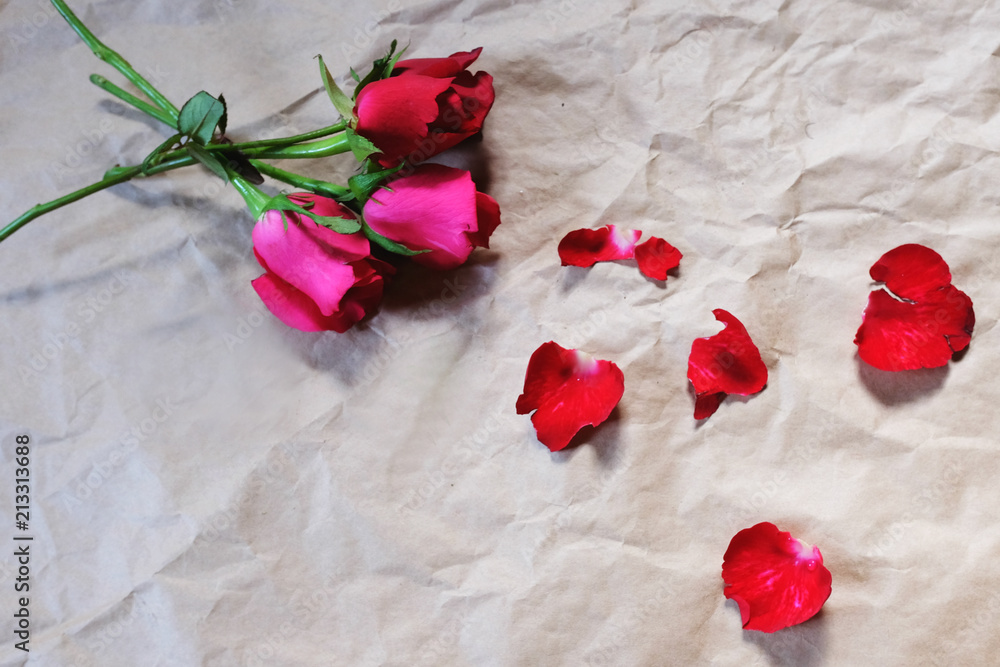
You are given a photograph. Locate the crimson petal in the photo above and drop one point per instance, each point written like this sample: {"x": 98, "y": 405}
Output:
{"x": 776, "y": 580}
{"x": 568, "y": 390}
{"x": 726, "y": 363}
{"x": 655, "y": 257}
{"x": 586, "y": 247}
{"x": 924, "y": 331}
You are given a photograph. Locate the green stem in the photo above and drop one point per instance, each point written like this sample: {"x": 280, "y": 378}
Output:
{"x": 255, "y": 199}
{"x": 156, "y": 112}
{"x": 334, "y": 145}
{"x": 283, "y": 141}
{"x": 42, "y": 209}
{"x": 331, "y": 146}
{"x": 114, "y": 59}
{"x": 300, "y": 181}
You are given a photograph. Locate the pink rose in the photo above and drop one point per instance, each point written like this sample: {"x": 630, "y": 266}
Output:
{"x": 426, "y": 106}
{"x": 316, "y": 279}
{"x": 435, "y": 208}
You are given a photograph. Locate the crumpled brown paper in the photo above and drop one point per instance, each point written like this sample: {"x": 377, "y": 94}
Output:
{"x": 213, "y": 488}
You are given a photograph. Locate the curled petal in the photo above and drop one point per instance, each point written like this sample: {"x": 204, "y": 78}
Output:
{"x": 655, "y": 257}
{"x": 586, "y": 247}
{"x": 911, "y": 271}
{"x": 568, "y": 390}
{"x": 923, "y": 328}
{"x": 776, "y": 580}
{"x": 437, "y": 67}
{"x": 298, "y": 311}
{"x": 726, "y": 363}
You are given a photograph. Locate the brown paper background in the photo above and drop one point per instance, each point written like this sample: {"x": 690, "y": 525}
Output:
{"x": 372, "y": 498}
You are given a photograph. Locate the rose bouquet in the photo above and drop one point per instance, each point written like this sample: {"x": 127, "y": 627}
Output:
{"x": 328, "y": 251}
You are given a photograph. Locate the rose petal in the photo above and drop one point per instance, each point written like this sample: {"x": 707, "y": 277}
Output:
{"x": 911, "y": 271}
{"x": 568, "y": 390}
{"x": 488, "y": 217}
{"x": 726, "y": 363}
{"x": 924, "y": 331}
{"x": 655, "y": 257}
{"x": 313, "y": 259}
{"x": 437, "y": 67}
{"x": 394, "y": 113}
{"x": 902, "y": 336}
{"x": 586, "y": 247}
{"x": 435, "y": 208}
{"x": 775, "y": 579}
{"x": 298, "y": 311}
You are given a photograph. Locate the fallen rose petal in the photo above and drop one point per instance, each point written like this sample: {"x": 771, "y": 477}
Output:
{"x": 923, "y": 328}
{"x": 568, "y": 390}
{"x": 776, "y": 580}
{"x": 655, "y": 257}
{"x": 911, "y": 271}
{"x": 586, "y": 247}
{"x": 726, "y": 363}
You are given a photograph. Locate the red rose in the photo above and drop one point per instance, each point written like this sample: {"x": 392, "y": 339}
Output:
{"x": 428, "y": 105}
{"x": 316, "y": 279}
{"x": 435, "y": 208}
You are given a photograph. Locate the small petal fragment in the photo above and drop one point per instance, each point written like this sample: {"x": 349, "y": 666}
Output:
{"x": 586, "y": 247}
{"x": 776, "y": 580}
{"x": 926, "y": 325}
{"x": 568, "y": 390}
{"x": 655, "y": 257}
{"x": 726, "y": 363}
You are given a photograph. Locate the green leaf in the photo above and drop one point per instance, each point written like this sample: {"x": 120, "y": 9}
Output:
{"x": 363, "y": 185}
{"x": 154, "y": 158}
{"x": 389, "y": 244}
{"x": 208, "y": 159}
{"x": 354, "y": 75}
{"x": 381, "y": 68}
{"x": 361, "y": 147}
{"x": 339, "y": 225}
{"x": 341, "y": 102}
{"x": 199, "y": 117}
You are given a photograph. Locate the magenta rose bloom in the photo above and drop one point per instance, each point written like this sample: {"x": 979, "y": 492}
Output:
{"x": 435, "y": 208}
{"x": 428, "y": 105}
{"x": 316, "y": 279}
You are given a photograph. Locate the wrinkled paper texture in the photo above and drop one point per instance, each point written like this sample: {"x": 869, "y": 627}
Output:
{"x": 213, "y": 488}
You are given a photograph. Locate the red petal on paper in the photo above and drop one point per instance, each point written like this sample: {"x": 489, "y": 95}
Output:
{"x": 776, "y": 580}
{"x": 655, "y": 257}
{"x": 903, "y": 336}
{"x": 924, "y": 331}
{"x": 726, "y": 363}
{"x": 586, "y": 247}
{"x": 568, "y": 390}
{"x": 911, "y": 271}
